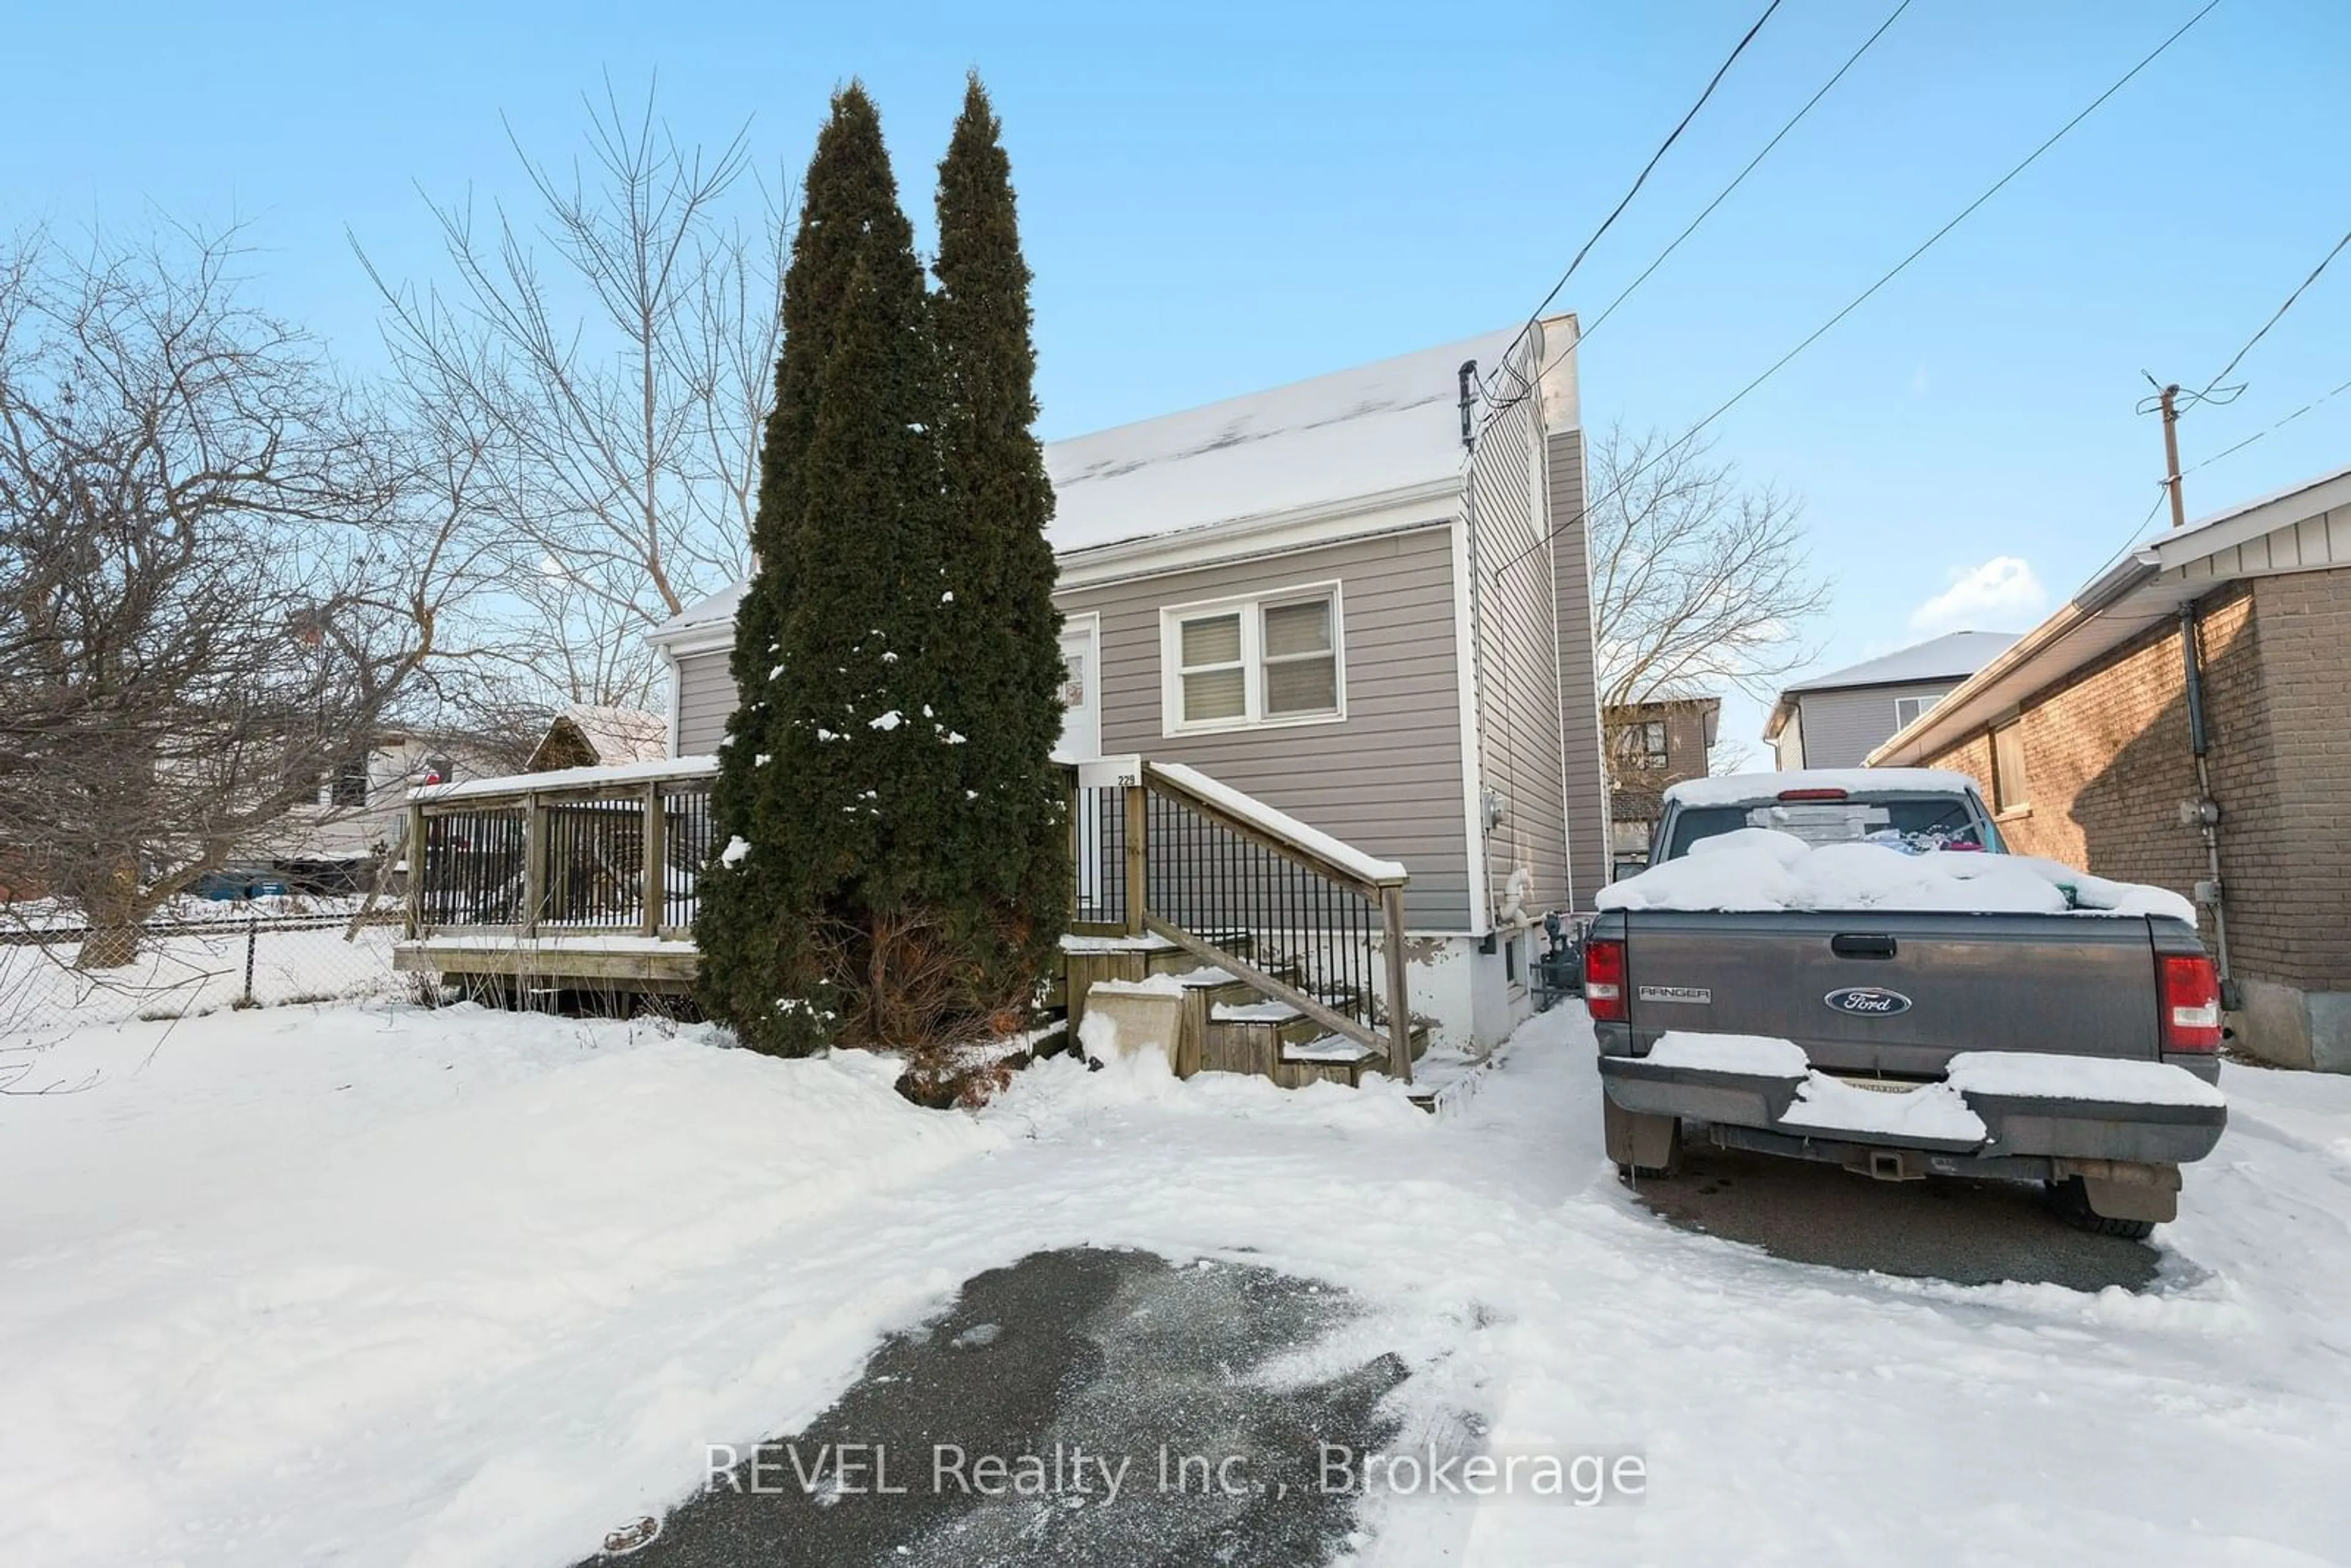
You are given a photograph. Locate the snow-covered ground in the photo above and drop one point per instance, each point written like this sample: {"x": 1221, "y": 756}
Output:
{"x": 386, "y": 1286}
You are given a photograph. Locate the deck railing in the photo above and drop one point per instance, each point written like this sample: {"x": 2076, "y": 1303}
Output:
{"x": 1162, "y": 850}
{"x": 543, "y": 855}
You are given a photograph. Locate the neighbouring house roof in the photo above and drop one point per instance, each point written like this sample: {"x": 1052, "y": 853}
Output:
{"x": 1953, "y": 656}
{"x": 1379, "y": 431}
{"x": 2302, "y": 528}
{"x": 584, "y": 736}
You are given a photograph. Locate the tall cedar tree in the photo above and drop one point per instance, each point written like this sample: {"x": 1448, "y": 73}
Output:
{"x": 832, "y": 772}
{"x": 1010, "y": 853}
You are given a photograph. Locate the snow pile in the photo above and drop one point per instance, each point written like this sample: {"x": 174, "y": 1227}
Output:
{"x": 356, "y": 1253}
{"x": 1763, "y": 1056}
{"x": 1763, "y": 869}
{"x": 2023, "y": 1073}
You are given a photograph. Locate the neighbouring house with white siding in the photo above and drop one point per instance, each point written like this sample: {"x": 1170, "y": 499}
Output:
{"x": 1837, "y": 719}
{"x": 1315, "y": 595}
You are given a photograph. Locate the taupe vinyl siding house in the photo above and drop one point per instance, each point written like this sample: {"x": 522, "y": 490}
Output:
{"x": 2183, "y": 721}
{"x": 1837, "y": 719}
{"x": 1314, "y": 595}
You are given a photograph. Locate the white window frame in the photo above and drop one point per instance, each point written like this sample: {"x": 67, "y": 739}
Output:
{"x": 1931, "y": 702}
{"x": 1251, "y": 608}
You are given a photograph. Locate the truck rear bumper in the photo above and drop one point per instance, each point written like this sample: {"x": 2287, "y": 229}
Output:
{"x": 2029, "y": 1137}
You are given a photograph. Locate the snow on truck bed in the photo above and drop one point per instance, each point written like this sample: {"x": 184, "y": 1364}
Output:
{"x": 1752, "y": 869}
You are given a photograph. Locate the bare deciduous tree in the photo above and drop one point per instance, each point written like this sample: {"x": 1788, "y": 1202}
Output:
{"x": 1698, "y": 583}
{"x": 214, "y": 586}
{"x": 616, "y": 389}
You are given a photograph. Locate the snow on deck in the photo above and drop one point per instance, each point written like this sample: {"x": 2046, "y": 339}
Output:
{"x": 572, "y": 779}
{"x": 455, "y": 1287}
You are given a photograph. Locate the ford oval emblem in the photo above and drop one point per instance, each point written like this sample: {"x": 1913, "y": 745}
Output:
{"x": 1868, "y": 1002}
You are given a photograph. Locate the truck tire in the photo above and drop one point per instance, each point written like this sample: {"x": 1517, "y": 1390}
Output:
{"x": 2071, "y": 1199}
{"x": 1642, "y": 1147}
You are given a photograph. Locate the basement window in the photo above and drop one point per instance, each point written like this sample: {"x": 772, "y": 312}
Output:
{"x": 1273, "y": 659}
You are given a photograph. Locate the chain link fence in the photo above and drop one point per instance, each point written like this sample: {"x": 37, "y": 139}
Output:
{"x": 57, "y": 975}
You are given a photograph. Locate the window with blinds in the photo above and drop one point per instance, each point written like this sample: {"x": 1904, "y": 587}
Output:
{"x": 1269, "y": 660}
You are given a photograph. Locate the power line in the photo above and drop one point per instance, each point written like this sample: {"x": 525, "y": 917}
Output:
{"x": 1639, "y": 180}
{"x": 1850, "y": 61}
{"x": 2272, "y": 321}
{"x": 1896, "y": 271}
{"x": 2289, "y": 419}
{"x": 2162, "y": 494}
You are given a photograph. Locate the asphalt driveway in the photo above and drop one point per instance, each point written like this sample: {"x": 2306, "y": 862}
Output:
{"x": 1081, "y": 1407}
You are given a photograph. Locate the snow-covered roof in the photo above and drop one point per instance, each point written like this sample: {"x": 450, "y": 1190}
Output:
{"x": 1375, "y": 430}
{"x": 618, "y": 734}
{"x": 1389, "y": 429}
{"x": 2301, "y": 528}
{"x": 1953, "y": 656}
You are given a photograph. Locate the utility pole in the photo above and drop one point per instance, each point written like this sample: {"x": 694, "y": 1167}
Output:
{"x": 2171, "y": 403}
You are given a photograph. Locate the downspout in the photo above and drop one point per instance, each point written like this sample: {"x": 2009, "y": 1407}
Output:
{"x": 2206, "y": 811}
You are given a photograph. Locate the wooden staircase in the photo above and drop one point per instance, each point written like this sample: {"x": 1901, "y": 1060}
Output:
{"x": 1284, "y": 944}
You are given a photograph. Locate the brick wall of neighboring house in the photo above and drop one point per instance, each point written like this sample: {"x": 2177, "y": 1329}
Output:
{"x": 2108, "y": 763}
{"x": 2304, "y": 845}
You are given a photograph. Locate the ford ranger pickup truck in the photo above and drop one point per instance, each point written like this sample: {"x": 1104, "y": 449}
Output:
{"x": 2074, "y": 1046}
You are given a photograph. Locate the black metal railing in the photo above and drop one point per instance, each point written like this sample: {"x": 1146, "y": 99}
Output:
{"x": 471, "y": 872}
{"x": 1234, "y": 889}
{"x": 686, "y": 847}
{"x": 1098, "y": 852}
{"x": 1162, "y": 849}
{"x": 595, "y": 862}
{"x": 624, "y": 856}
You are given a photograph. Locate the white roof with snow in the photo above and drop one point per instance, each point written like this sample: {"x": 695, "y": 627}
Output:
{"x": 618, "y": 734}
{"x": 1383, "y": 430}
{"x": 1954, "y": 656}
{"x": 1951, "y": 657}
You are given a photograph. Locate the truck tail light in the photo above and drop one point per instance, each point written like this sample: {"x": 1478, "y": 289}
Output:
{"x": 2191, "y": 1002}
{"x": 1604, "y": 980}
{"x": 1815, "y": 794}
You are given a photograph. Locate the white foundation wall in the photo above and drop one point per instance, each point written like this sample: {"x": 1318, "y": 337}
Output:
{"x": 1468, "y": 994}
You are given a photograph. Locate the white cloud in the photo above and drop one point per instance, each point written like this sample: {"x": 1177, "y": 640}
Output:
{"x": 2000, "y": 595}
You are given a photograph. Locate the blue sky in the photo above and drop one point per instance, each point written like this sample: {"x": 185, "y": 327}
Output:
{"x": 1218, "y": 198}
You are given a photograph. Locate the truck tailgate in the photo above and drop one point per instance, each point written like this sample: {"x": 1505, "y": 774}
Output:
{"x": 1897, "y": 993}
